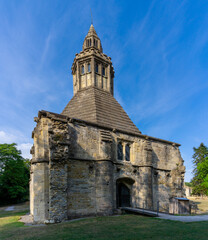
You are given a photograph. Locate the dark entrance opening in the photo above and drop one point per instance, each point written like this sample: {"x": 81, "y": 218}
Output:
{"x": 123, "y": 195}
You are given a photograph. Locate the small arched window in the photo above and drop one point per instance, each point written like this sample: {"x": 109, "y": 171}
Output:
{"x": 83, "y": 70}
{"x": 88, "y": 67}
{"x": 127, "y": 152}
{"x": 96, "y": 68}
{"x": 120, "y": 151}
{"x": 90, "y": 42}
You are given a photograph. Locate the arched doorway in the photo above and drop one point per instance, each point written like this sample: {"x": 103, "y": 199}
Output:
{"x": 123, "y": 192}
{"x": 123, "y": 195}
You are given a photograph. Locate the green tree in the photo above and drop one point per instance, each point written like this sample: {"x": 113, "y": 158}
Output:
{"x": 14, "y": 175}
{"x": 200, "y": 179}
{"x": 188, "y": 184}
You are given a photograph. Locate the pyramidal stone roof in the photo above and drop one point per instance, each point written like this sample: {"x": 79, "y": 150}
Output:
{"x": 92, "y": 31}
{"x": 99, "y": 107}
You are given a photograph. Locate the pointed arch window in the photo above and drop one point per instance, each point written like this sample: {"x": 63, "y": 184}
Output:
{"x": 120, "y": 151}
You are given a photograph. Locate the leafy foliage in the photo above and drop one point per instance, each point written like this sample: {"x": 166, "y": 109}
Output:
{"x": 188, "y": 184}
{"x": 14, "y": 175}
{"x": 200, "y": 179}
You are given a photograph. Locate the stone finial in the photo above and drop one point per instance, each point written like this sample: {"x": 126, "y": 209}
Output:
{"x": 92, "y": 40}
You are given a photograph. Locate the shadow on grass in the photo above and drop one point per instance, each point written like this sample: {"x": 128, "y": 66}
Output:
{"x": 121, "y": 227}
{"x": 9, "y": 222}
{"x": 4, "y": 214}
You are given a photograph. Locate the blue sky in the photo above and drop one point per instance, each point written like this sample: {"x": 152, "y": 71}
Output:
{"x": 159, "y": 51}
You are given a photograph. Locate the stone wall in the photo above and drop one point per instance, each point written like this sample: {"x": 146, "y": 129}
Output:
{"x": 75, "y": 170}
{"x": 39, "y": 191}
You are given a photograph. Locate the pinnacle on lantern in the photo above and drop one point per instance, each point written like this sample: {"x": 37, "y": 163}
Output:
{"x": 92, "y": 40}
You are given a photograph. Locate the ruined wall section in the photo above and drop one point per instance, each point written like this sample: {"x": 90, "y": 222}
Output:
{"x": 60, "y": 142}
{"x": 39, "y": 172}
{"x": 48, "y": 188}
{"x": 168, "y": 174}
{"x": 79, "y": 178}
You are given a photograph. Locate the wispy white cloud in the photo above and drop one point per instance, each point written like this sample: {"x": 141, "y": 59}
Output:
{"x": 19, "y": 138}
{"x": 7, "y": 137}
{"x": 25, "y": 149}
{"x": 165, "y": 99}
{"x": 46, "y": 48}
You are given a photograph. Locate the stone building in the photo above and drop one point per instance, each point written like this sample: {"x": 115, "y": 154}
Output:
{"x": 91, "y": 159}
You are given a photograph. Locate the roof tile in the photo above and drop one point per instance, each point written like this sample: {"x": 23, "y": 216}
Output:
{"x": 100, "y": 107}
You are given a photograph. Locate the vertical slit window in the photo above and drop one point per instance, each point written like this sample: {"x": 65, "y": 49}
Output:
{"x": 120, "y": 151}
{"x": 90, "y": 42}
{"x": 103, "y": 71}
{"x": 96, "y": 68}
{"x": 127, "y": 152}
{"x": 83, "y": 70}
{"x": 95, "y": 80}
{"x": 88, "y": 67}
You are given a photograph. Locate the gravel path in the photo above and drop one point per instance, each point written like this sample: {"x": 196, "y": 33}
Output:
{"x": 11, "y": 208}
{"x": 184, "y": 218}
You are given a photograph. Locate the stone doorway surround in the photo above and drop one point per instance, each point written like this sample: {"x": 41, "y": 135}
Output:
{"x": 124, "y": 192}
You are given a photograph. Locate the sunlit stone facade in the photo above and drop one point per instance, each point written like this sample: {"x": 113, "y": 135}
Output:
{"x": 91, "y": 159}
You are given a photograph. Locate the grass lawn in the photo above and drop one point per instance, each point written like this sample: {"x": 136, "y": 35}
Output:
{"x": 202, "y": 204}
{"x": 116, "y": 227}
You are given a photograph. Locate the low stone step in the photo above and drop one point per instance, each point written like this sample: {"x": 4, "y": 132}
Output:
{"x": 140, "y": 211}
